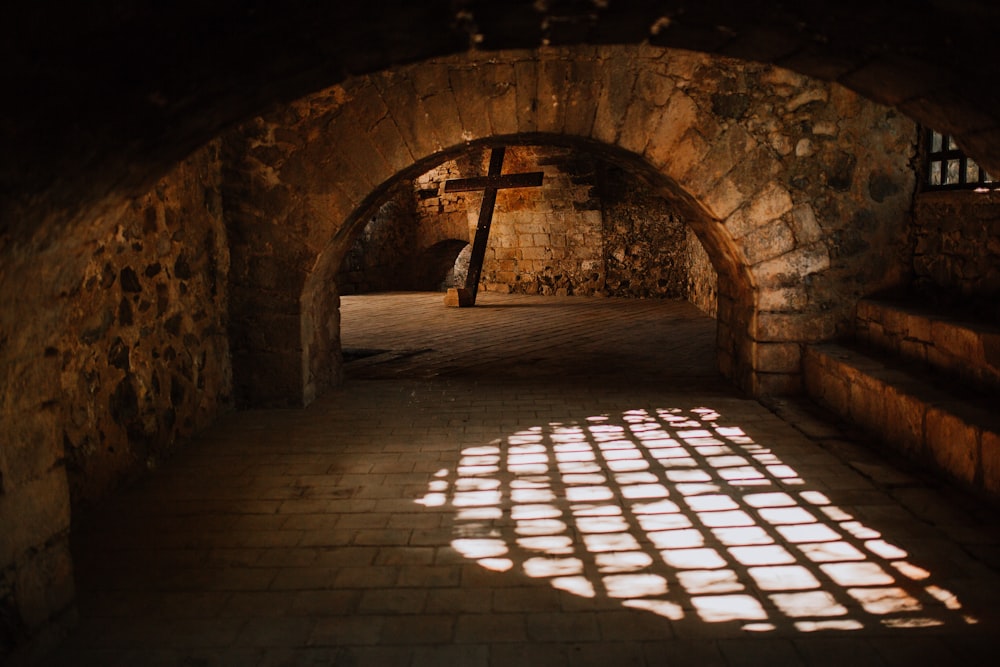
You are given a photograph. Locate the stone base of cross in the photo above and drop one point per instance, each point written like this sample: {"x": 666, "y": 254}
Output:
{"x": 463, "y": 297}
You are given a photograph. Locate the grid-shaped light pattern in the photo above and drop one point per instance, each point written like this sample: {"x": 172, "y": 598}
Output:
{"x": 672, "y": 512}
{"x": 949, "y": 168}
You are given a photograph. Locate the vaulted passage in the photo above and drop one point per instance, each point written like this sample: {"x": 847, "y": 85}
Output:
{"x": 530, "y": 481}
{"x": 255, "y": 465}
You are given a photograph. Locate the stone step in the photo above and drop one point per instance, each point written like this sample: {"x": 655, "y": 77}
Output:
{"x": 951, "y": 427}
{"x": 965, "y": 349}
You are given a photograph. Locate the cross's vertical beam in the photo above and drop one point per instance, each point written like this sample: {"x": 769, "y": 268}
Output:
{"x": 483, "y": 226}
{"x": 489, "y": 184}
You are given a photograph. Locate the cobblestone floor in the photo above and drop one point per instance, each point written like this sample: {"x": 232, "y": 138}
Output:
{"x": 535, "y": 481}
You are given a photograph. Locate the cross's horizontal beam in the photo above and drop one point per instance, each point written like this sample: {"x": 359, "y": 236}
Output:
{"x": 531, "y": 179}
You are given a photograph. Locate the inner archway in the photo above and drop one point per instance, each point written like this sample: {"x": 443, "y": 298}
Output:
{"x": 783, "y": 210}
{"x": 593, "y": 228}
{"x": 598, "y": 227}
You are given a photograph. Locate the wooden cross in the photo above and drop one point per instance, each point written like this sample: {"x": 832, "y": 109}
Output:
{"x": 489, "y": 184}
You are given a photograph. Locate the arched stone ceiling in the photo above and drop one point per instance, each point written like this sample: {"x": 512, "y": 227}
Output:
{"x": 104, "y": 96}
{"x": 777, "y": 173}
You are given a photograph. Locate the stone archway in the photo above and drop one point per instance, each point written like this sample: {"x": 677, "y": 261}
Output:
{"x": 771, "y": 168}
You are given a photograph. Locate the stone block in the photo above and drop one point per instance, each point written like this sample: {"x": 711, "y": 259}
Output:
{"x": 617, "y": 82}
{"x": 526, "y": 72}
{"x": 937, "y": 358}
{"x": 782, "y": 299}
{"x": 503, "y": 254}
{"x": 903, "y": 428}
{"x": 634, "y": 133}
{"x": 790, "y": 268}
{"x": 952, "y": 443}
{"x": 433, "y": 86}
{"x": 679, "y": 115}
{"x": 862, "y": 331}
{"x": 501, "y": 104}
{"x": 654, "y": 84}
{"x": 913, "y": 349}
{"x": 825, "y": 382}
{"x": 776, "y": 384}
{"x": 772, "y": 202}
{"x": 347, "y": 137}
{"x": 804, "y": 224}
{"x": 471, "y": 91}
{"x": 777, "y": 357}
{"x": 391, "y": 145}
{"x": 553, "y": 78}
{"x": 458, "y": 297}
{"x": 877, "y": 337}
{"x": 918, "y": 327}
{"x": 408, "y": 113}
{"x": 867, "y": 310}
{"x": 867, "y": 400}
{"x": 687, "y": 155}
{"x": 800, "y": 327}
{"x": 366, "y": 104}
{"x": 739, "y": 224}
{"x": 506, "y": 277}
{"x": 733, "y": 147}
{"x": 894, "y": 321}
{"x": 724, "y": 198}
{"x": 958, "y": 342}
{"x": 582, "y": 98}
{"x": 766, "y": 242}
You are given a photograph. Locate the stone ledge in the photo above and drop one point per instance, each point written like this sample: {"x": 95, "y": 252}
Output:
{"x": 945, "y": 428}
{"x": 965, "y": 349}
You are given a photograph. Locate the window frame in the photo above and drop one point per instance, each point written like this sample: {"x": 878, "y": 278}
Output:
{"x": 940, "y": 153}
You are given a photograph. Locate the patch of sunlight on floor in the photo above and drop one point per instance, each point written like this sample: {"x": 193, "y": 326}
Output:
{"x": 681, "y": 515}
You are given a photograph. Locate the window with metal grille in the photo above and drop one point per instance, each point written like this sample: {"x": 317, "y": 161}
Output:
{"x": 948, "y": 168}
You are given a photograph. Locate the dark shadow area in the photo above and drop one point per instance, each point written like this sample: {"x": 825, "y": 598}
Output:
{"x": 435, "y": 268}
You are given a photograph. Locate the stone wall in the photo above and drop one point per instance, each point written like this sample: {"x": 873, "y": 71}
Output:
{"x": 702, "y": 280}
{"x": 592, "y": 228}
{"x": 145, "y": 354}
{"x": 544, "y": 240}
{"x": 113, "y": 348}
{"x": 648, "y": 249}
{"x": 956, "y": 258}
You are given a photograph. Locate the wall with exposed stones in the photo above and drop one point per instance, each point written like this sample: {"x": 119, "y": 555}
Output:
{"x": 545, "y": 240}
{"x": 126, "y": 357}
{"x": 956, "y": 257}
{"x": 649, "y": 251}
{"x": 591, "y": 228}
{"x": 145, "y": 353}
{"x": 702, "y": 280}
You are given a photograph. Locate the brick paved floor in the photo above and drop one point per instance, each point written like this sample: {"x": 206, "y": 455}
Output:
{"x": 536, "y": 481}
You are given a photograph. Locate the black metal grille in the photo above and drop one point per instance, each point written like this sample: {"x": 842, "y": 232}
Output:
{"x": 948, "y": 168}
